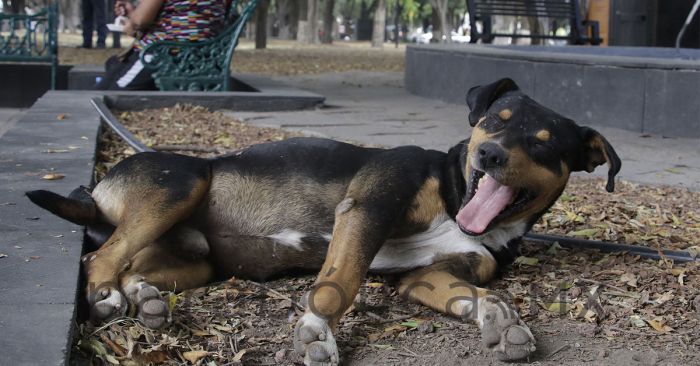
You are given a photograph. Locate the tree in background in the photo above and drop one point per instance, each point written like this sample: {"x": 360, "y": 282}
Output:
{"x": 261, "y": 24}
{"x": 379, "y": 24}
{"x": 328, "y": 21}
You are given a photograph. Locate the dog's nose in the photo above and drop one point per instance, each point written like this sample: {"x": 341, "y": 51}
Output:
{"x": 492, "y": 156}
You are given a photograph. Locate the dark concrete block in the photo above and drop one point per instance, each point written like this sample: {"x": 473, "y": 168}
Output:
{"x": 559, "y": 87}
{"x": 671, "y": 103}
{"x": 84, "y": 77}
{"x": 23, "y": 83}
{"x": 634, "y": 89}
{"x": 613, "y": 97}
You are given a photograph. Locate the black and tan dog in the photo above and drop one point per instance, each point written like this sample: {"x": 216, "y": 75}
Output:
{"x": 446, "y": 222}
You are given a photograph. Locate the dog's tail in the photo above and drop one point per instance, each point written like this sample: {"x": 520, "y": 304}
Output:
{"x": 78, "y": 208}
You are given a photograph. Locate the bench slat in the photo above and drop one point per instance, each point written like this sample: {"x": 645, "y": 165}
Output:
{"x": 483, "y": 10}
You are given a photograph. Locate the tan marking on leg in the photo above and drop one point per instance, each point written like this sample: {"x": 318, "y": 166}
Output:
{"x": 147, "y": 216}
{"x": 440, "y": 291}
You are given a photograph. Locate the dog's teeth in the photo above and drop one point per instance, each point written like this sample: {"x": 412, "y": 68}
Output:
{"x": 481, "y": 180}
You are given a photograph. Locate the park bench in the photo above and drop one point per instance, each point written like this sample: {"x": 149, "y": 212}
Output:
{"x": 554, "y": 10}
{"x": 198, "y": 66}
{"x": 31, "y": 38}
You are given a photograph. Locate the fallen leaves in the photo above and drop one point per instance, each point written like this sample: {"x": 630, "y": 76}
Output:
{"x": 659, "y": 325}
{"x": 657, "y": 217}
{"x": 194, "y": 356}
{"x": 53, "y": 176}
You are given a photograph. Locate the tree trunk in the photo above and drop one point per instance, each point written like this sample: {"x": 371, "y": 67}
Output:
{"x": 70, "y": 16}
{"x": 283, "y": 18}
{"x": 379, "y": 24}
{"x": 328, "y": 21}
{"x": 306, "y": 33}
{"x": 17, "y": 6}
{"x": 441, "y": 7}
{"x": 261, "y": 24}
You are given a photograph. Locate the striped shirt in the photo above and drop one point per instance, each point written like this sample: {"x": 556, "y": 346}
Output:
{"x": 186, "y": 20}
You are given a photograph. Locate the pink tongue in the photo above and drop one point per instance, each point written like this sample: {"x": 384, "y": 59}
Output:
{"x": 490, "y": 199}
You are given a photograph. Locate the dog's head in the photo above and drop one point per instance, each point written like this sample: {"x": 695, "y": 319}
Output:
{"x": 520, "y": 156}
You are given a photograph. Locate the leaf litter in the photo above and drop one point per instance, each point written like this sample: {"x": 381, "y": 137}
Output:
{"x": 601, "y": 303}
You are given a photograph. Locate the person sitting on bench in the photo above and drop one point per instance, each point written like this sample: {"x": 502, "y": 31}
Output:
{"x": 156, "y": 20}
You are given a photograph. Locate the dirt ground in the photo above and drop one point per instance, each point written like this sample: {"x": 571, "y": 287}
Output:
{"x": 584, "y": 307}
{"x": 280, "y": 58}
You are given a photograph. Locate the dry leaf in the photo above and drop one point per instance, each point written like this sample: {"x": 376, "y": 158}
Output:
{"x": 659, "y": 325}
{"x": 239, "y": 356}
{"x": 61, "y": 117}
{"x": 194, "y": 356}
{"x": 558, "y": 307}
{"x": 629, "y": 279}
{"x": 53, "y": 176}
{"x": 637, "y": 321}
{"x": 526, "y": 261}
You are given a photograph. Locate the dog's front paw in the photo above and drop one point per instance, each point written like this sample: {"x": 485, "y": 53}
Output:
{"x": 503, "y": 332}
{"x": 313, "y": 339}
{"x": 151, "y": 308}
{"x": 106, "y": 303}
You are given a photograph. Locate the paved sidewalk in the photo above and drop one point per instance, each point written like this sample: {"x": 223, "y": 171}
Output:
{"x": 374, "y": 108}
{"x": 8, "y": 118}
{"x": 38, "y": 251}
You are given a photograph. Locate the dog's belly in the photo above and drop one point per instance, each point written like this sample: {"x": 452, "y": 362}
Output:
{"x": 258, "y": 227}
{"x": 420, "y": 250}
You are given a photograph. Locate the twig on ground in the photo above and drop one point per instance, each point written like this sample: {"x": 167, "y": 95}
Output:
{"x": 602, "y": 284}
{"x": 381, "y": 320}
{"x": 563, "y": 347}
{"x": 117, "y": 349}
{"x": 285, "y": 297}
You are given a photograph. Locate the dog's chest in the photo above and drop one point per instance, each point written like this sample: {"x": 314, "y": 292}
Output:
{"x": 419, "y": 250}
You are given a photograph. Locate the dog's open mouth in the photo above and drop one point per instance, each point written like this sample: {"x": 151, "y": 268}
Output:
{"x": 489, "y": 202}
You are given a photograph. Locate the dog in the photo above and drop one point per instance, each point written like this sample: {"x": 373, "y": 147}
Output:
{"x": 444, "y": 222}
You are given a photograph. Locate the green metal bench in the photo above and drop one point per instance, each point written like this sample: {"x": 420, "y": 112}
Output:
{"x": 198, "y": 66}
{"x": 31, "y": 38}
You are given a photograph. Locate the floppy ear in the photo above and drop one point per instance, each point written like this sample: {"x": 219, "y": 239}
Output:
{"x": 480, "y": 98}
{"x": 597, "y": 151}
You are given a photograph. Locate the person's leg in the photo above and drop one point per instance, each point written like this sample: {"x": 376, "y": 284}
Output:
{"x": 129, "y": 74}
{"x": 87, "y": 23}
{"x": 100, "y": 8}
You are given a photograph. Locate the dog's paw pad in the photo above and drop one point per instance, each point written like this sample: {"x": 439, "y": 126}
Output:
{"x": 516, "y": 343}
{"x": 153, "y": 313}
{"x": 151, "y": 308}
{"x": 504, "y": 333}
{"x": 313, "y": 339}
{"x": 106, "y": 303}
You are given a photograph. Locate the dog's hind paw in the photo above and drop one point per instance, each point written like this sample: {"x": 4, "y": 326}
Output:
{"x": 313, "y": 339}
{"x": 151, "y": 308}
{"x": 503, "y": 332}
{"x": 106, "y": 303}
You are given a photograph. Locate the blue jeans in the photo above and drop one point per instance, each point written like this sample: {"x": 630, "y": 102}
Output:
{"x": 94, "y": 14}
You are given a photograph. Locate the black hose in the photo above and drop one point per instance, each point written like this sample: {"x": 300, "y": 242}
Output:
{"x": 566, "y": 242}
{"x": 642, "y": 251}
{"x": 111, "y": 121}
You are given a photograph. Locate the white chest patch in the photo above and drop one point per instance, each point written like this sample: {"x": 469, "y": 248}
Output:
{"x": 289, "y": 237}
{"x": 443, "y": 237}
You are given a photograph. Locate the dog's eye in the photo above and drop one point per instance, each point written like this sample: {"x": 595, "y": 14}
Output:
{"x": 539, "y": 145}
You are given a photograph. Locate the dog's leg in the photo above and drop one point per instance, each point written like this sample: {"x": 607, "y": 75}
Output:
{"x": 157, "y": 268}
{"x": 363, "y": 221}
{"x": 149, "y": 210}
{"x": 449, "y": 289}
